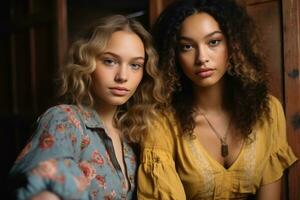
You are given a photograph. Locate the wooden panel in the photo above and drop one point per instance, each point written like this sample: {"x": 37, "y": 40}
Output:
{"x": 61, "y": 31}
{"x": 5, "y": 74}
{"x": 291, "y": 38}
{"x": 155, "y": 8}
{"x": 45, "y": 69}
{"x": 268, "y": 19}
{"x": 27, "y": 69}
{"x": 249, "y": 2}
{"x": 21, "y": 76}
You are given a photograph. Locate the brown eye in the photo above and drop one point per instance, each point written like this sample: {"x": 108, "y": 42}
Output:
{"x": 185, "y": 47}
{"x": 214, "y": 43}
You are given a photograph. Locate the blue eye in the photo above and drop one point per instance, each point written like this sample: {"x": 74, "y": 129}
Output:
{"x": 136, "y": 66}
{"x": 109, "y": 62}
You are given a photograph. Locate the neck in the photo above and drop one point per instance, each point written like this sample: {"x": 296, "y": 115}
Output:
{"x": 209, "y": 99}
{"x": 106, "y": 113}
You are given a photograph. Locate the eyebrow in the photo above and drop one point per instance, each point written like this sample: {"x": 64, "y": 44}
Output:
{"x": 117, "y": 56}
{"x": 208, "y": 35}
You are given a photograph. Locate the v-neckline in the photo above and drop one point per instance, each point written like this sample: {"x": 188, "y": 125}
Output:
{"x": 222, "y": 167}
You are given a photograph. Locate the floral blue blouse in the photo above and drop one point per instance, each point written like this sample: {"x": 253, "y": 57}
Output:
{"x": 71, "y": 155}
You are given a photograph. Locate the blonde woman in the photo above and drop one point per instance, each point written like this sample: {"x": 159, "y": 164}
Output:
{"x": 82, "y": 149}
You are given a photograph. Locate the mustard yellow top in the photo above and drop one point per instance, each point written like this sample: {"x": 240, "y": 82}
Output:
{"x": 178, "y": 167}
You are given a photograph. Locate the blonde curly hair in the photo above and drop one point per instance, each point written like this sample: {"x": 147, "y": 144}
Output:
{"x": 136, "y": 114}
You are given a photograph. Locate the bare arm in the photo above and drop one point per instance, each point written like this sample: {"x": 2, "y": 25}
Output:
{"x": 45, "y": 195}
{"x": 270, "y": 191}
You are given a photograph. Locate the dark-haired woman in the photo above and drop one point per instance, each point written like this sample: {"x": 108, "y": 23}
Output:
{"x": 225, "y": 137}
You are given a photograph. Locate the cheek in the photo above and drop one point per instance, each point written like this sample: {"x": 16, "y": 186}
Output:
{"x": 97, "y": 89}
{"x": 186, "y": 64}
{"x": 183, "y": 60}
{"x": 223, "y": 54}
{"x": 186, "y": 61}
{"x": 99, "y": 83}
{"x": 225, "y": 62}
{"x": 138, "y": 78}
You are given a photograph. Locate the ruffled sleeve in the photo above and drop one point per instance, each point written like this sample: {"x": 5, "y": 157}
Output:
{"x": 157, "y": 176}
{"x": 49, "y": 160}
{"x": 281, "y": 156}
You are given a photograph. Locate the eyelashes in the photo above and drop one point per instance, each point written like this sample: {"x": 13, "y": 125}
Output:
{"x": 185, "y": 47}
{"x": 111, "y": 62}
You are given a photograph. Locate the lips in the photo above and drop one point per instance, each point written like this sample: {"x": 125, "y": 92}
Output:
{"x": 205, "y": 73}
{"x": 119, "y": 91}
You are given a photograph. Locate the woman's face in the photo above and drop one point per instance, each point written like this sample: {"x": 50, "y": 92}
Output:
{"x": 119, "y": 69}
{"x": 202, "y": 50}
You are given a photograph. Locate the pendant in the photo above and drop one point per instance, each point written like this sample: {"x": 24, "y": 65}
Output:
{"x": 224, "y": 150}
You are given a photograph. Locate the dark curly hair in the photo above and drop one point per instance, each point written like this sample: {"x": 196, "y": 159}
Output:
{"x": 246, "y": 79}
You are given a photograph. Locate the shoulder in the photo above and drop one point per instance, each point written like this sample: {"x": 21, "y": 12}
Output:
{"x": 276, "y": 108}
{"x": 62, "y": 109}
{"x": 162, "y": 133}
{"x": 275, "y": 124}
{"x": 274, "y": 102}
{"x": 164, "y": 122}
{"x": 61, "y": 114}
{"x": 274, "y": 114}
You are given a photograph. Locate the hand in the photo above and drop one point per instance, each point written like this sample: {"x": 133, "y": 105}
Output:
{"x": 45, "y": 195}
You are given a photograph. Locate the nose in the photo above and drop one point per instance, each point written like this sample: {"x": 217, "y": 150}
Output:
{"x": 201, "y": 57}
{"x": 121, "y": 74}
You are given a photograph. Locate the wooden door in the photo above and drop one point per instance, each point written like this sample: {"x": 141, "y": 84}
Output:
{"x": 291, "y": 55}
{"x": 279, "y": 24}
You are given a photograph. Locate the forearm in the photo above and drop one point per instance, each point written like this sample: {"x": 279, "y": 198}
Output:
{"x": 61, "y": 176}
{"x": 270, "y": 191}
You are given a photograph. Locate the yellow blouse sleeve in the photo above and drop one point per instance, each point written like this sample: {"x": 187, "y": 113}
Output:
{"x": 157, "y": 176}
{"x": 281, "y": 156}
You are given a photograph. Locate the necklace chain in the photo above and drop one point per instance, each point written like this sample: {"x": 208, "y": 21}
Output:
{"x": 224, "y": 145}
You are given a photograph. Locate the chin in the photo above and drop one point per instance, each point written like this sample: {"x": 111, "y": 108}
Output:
{"x": 206, "y": 83}
{"x": 118, "y": 102}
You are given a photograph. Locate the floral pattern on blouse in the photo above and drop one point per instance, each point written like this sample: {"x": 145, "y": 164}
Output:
{"x": 71, "y": 155}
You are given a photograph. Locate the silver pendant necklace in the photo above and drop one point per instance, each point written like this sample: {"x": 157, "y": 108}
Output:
{"x": 224, "y": 145}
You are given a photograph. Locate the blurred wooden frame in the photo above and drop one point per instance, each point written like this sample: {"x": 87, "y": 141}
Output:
{"x": 291, "y": 55}
{"x": 155, "y": 8}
